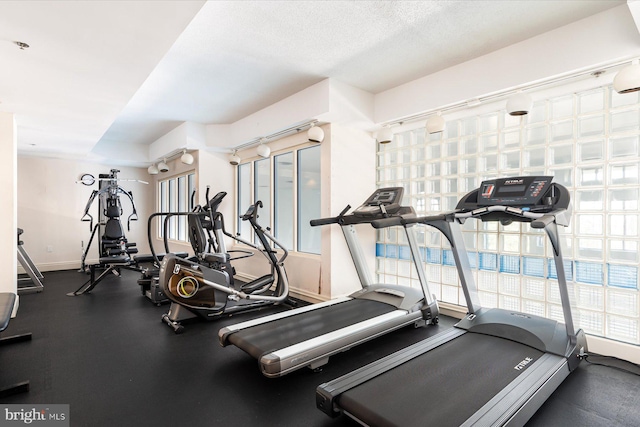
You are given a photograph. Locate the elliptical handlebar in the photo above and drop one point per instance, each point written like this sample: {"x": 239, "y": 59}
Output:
{"x": 251, "y": 214}
{"x": 212, "y": 205}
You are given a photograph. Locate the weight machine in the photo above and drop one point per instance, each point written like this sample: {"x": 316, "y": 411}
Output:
{"x": 114, "y": 249}
{"x": 111, "y": 238}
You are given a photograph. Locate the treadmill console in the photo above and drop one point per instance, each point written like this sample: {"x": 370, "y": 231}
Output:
{"x": 383, "y": 202}
{"x": 516, "y": 191}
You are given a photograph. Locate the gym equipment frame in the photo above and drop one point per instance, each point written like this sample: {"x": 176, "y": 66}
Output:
{"x": 203, "y": 286}
{"x": 35, "y": 276}
{"x": 309, "y": 335}
{"x": 495, "y": 367}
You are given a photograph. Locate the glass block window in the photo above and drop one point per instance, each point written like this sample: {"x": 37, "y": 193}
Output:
{"x": 590, "y": 142}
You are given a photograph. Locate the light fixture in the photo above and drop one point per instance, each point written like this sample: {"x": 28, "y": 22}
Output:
{"x": 186, "y": 158}
{"x": 163, "y": 167}
{"x": 628, "y": 79}
{"x": 21, "y": 45}
{"x": 435, "y": 123}
{"x": 519, "y": 104}
{"x": 234, "y": 159}
{"x": 385, "y": 135}
{"x": 263, "y": 150}
{"x": 315, "y": 133}
{"x": 152, "y": 170}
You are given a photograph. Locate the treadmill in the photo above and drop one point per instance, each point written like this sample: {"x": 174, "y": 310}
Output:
{"x": 495, "y": 367}
{"x": 309, "y": 335}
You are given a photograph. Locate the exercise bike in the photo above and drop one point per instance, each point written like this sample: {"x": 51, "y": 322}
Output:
{"x": 203, "y": 286}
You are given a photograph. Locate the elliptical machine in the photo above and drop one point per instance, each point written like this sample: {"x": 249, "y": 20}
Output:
{"x": 203, "y": 286}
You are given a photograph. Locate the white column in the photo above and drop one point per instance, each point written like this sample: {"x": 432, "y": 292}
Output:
{"x": 9, "y": 198}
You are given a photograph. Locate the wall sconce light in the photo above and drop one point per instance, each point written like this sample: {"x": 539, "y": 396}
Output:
{"x": 186, "y": 158}
{"x": 234, "y": 159}
{"x": 315, "y": 134}
{"x": 163, "y": 167}
{"x": 519, "y": 104}
{"x": 628, "y": 79}
{"x": 385, "y": 135}
{"x": 435, "y": 123}
{"x": 263, "y": 150}
{"x": 152, "y": 170}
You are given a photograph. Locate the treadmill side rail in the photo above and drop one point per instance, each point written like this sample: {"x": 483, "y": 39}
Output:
{"x": 327, "y": 393}
{"x": 517, "y": 402}
{"x": 317, "y": 350}
{"x": 224, "y": 333}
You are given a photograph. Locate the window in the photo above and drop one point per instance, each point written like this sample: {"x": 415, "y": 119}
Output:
{"x": 589, "y": 142}
{"x": 262, "y": 190}
{"x": 283, "y": 199}
{"x": 308, "y": 199}
{"x": 244, "y": 198}
{"x": 294, "y": 201}
{"x": 175, "y": 195}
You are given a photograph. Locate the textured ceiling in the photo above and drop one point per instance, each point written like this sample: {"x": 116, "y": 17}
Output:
{"x": 129, "y": 72}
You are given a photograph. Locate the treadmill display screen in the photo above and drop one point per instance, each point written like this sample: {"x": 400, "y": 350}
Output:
{"x": 383, "y": 202}
{"x": 385, "y": 197}
{"x": 517, "y": 191}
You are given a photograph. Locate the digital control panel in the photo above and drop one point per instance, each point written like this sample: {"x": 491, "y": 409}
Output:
{"x": 384, "y": 201}
{"x": 516, "y": 191}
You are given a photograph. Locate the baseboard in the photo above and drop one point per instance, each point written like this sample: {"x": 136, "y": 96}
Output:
{"x": 293, "y": 291}
{"x": 306, "y": 295}
{"x": 452, "y": 310}
{"x": 55, "y": 266}
{"x": 607, "y": 347}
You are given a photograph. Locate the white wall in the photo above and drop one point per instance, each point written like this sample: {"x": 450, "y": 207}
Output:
{"x": 215, "y": 171}
{"x": 348, "y": 169}
{"x": 50, "y": 205}
{"x": 8, "y": 192}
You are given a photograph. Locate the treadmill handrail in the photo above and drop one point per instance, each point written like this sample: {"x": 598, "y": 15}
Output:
{"x": 517, "y": 212}
{"x": 406, "y": 220}
{"x": 351, "y": 219}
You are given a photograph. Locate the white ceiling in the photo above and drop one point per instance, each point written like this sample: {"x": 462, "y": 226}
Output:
{"x": 127, "y": 72}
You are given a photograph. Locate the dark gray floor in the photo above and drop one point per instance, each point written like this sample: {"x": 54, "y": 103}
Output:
{"x": 109, "y": 357}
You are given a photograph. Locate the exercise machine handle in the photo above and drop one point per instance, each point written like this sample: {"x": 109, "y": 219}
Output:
{"x": 543, "y": 221}
{"x": 387, "y": 222}
{"x": 324, "y": 221}
{"x": 332, "y": 220}
{"x": 407, "y": 220}
{"x": 193, "y": 199}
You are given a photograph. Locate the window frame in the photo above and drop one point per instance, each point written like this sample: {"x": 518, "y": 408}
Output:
{"x": 250, "y": 166}
{"x": 173, "y": 196}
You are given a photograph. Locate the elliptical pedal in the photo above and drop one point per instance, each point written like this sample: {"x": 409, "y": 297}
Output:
{"x": 177, "y": 327}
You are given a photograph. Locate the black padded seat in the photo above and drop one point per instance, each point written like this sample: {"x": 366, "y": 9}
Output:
{"x": 7, "y": 301}
{"x": 113, "y": 230}
{"x": 120, "y": 259}
{"x": 149, "y": 257}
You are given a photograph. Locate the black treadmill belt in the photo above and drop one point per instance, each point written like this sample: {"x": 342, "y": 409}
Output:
{"x": 282, "y": 333}
{"x": 442, "y": 387}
